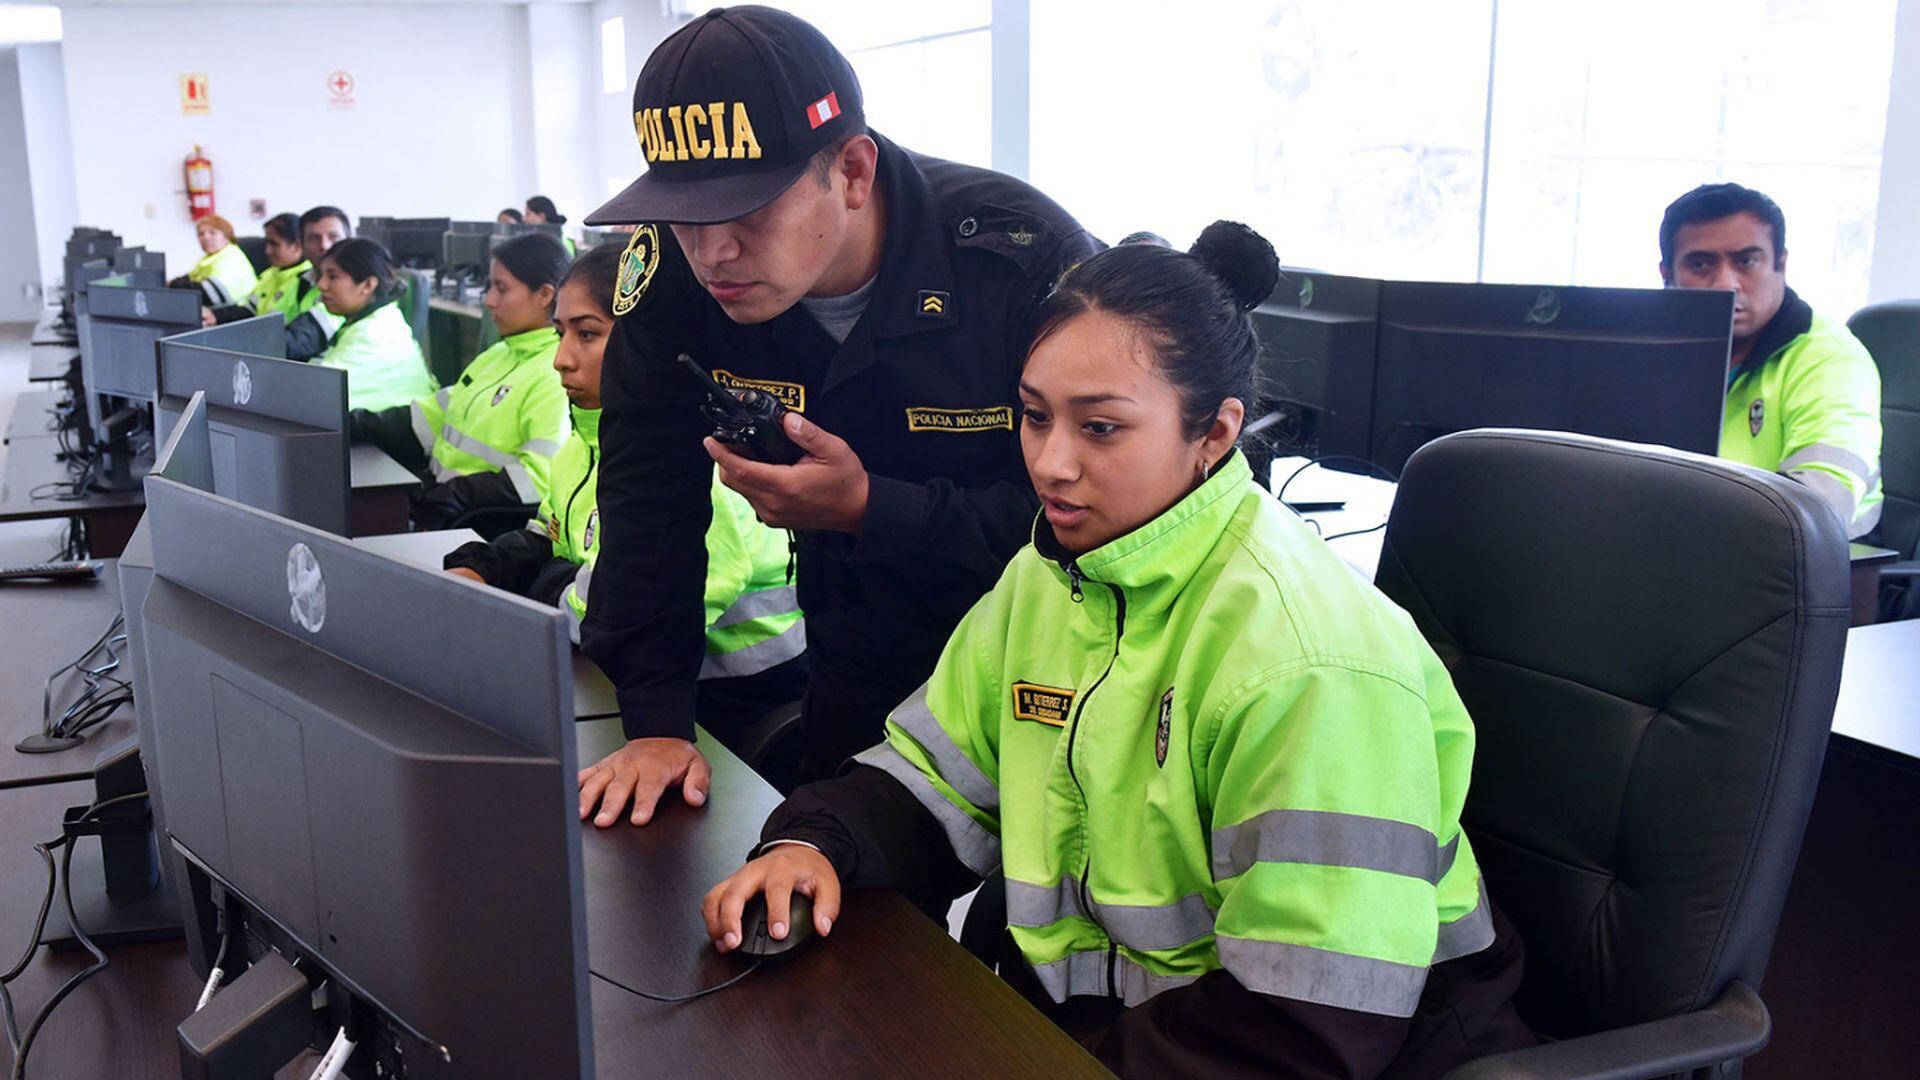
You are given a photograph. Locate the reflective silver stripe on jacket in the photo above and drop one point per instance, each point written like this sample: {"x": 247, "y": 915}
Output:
{"x": 523, "y": 485}
{"x": 1837, "y": 494}
{"x": 1467, "y": 934}
{"x": 1086, "y": 973}
{"x": 766, "y": 603}
{"x": 1326, "y": 838}
{"x": 977, "y": 848}
{"x": 422, "y": 427}
{"x": 1147, "y": 927}
{"x": 582, "y": 578}
{"x": 1323, "y": 976}
{"x": 757, "y": 657}
{"x": 959, "y": 771}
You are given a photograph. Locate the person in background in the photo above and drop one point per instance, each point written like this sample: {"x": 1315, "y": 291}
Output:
{"x": 223, "y": 274}
{"x": 278, "y": 289}
{"x": 509, "y": 216}
{"x": 885, "y": 298}
{"x": 1803, "y": 395}
{"x": 755, "y": 635}
{"x": 1221, "y": 773}
{"x": 541, "y": 211}
{"x": 489, "y": 439}
{"x": 374, "y": 344}
{"x": 312, "y": 325}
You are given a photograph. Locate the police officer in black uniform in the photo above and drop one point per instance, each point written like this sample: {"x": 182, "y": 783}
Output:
{"x": 886, "y": 298}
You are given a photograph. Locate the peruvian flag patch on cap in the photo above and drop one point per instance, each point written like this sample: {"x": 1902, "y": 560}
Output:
{"x": 823, "y": 110}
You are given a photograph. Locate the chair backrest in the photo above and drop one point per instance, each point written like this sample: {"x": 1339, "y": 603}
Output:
{"x": 1891, "y": 332}
{"x": 1649, "y": 643}
{"x": 255, "y": 249}
{"x": 414, "y": 305}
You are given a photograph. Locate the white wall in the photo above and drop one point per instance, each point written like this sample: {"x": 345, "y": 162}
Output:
{"x": 440, "y": 125}
{"x": 1896, "y": 242}
{"x": 43, "y": 100}
{"x": 619, "y": 150}
{"x": 561, "y": 50}
{"x": 19, "y": 257}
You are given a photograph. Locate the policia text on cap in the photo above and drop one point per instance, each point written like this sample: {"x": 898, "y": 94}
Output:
{"x": 883, "y": 297}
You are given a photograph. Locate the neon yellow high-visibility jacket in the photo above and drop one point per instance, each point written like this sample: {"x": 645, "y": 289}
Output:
{"x": 1807, "y": 404}
{"x": 1205, "y": 745}
{"x": 230, "y": 271}
{"x": 278, "y": 290}
{"x": 382, "y": 360}
{"x": 752, "y": 611}
{"x": 507, "y": 413}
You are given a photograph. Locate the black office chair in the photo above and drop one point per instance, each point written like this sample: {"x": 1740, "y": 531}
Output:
{"x": 493, "y": 522}
{"x": 1891, "y": 332}
{"x": 255, "y": 249}
{"x": 415, "y": 296}
{"x": 1649, "y": 643}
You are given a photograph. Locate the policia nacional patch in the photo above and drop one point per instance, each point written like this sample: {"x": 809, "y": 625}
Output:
{"x": 636, "y": 269}
{"x": 1049, "y": 705}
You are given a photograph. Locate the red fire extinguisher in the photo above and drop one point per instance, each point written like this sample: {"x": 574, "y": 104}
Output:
{"x": 199, "y": 184}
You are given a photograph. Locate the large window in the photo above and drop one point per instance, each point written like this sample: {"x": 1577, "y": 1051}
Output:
{"x": 1602, "y": 115}
{"x": 925, "y": 70}
{"x": 1360, "y": 135}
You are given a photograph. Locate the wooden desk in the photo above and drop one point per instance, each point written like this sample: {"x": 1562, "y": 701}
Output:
{"x": 32, "y": 464}
{"x": 45, "y": 333}
{"x": 889, "y": 993}
{"x": 1840, "y": 985}
{"x": 1865, "y": 561}
{"x": 33, "y": 414}
{"x": 378, "y": 499}
{"x": 381, "y": 487}
{"x": 48, "y": 624}
{"x": 50, "y": 363}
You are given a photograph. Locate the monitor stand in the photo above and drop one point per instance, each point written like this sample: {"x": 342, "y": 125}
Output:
{"x": 119, "y": 894}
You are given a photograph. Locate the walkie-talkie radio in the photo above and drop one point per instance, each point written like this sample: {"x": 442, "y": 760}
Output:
{"x": 752, "y": 420}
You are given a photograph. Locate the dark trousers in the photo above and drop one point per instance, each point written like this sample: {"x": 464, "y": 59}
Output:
{"x": 841, "y": 717}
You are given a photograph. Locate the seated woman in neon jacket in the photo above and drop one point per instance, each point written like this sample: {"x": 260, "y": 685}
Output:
{"x": 1221, "y": 773}
{"x": 374, "y": 344}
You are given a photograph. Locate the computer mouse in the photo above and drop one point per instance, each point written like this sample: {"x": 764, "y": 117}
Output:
{"x": 756, "y": 940}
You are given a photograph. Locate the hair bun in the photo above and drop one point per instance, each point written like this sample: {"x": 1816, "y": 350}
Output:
{"x": 1242, "y": 259}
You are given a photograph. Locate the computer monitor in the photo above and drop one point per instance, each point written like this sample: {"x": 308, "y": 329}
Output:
{"x": 467, "y": 255}
{"x": 416, "y": 242}
{"x": 522, "y": 228}
{"x": 1318, "y": 333}
{"x": 593, "y": 238}
{"x": 485, "y": 228}
{"x": 278, "y": 432}
{"x": 82, "y": 250}
{"x": 118, "y": 359}
{"x": 387, "y": 801}
{"x": 1644, "y": 365}
{"x": 140, "y": 261}
{"x": 373, "y": 228}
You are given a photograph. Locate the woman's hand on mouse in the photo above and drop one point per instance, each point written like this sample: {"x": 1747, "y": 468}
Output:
{"x": 781, "y": 872}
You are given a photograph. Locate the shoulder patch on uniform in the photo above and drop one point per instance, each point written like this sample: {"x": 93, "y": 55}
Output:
{"x": 500, "y": 395}
{"x": 1018, "y": 236}
{"x": 637, "y": 265}
{"x": 1757, "y": 416}
{"x": 1050, "y": 705}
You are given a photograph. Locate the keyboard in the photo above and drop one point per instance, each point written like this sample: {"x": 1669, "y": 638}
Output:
{"x": 84, "y": 570}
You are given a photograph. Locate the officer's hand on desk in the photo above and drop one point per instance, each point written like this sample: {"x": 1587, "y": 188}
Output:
{"x": 470, "y": 575}
{"x": 826, "y": 490}
{"x": 643, "y": 770}
{"x": 781, "y": 872}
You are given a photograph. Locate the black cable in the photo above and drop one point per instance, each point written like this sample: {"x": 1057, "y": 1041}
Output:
{"x": 33, "y": 946}
{"x": 73, "y": 921}
{"x": 1384, "y": 474}
{"x": 92, "y": 677}
{"x": 684, "y": 998}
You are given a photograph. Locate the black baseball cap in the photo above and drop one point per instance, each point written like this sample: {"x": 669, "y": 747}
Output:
{"x": 729, "y": 111}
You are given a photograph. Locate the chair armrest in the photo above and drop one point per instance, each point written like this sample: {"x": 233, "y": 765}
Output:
{"x": 1736, "y": 1026}
{"x": 492, "y": 520}
{"x": 1899, "y": 571}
